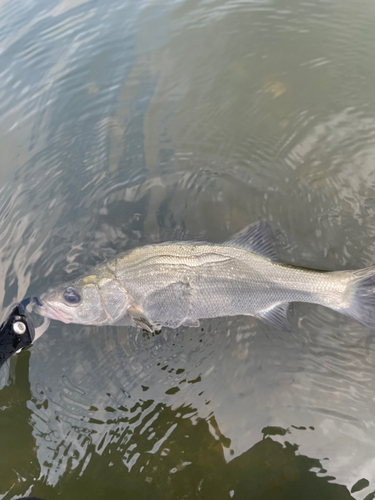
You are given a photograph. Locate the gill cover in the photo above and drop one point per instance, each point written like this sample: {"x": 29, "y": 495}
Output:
{"x": 114, "y": 297}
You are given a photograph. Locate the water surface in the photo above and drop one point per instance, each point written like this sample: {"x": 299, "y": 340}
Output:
{"x": 124, "y": 123}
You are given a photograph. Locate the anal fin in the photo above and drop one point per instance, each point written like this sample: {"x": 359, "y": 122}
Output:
{"x": 277, "y": 317}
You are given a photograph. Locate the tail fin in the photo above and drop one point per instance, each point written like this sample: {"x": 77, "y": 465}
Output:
{"x": 362, "y": 305}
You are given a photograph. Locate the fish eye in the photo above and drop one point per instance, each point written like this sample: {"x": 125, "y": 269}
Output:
{"x": 71, "y": 296}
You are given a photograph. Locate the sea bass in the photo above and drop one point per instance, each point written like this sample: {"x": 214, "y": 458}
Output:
{"x": 178, "y": 283}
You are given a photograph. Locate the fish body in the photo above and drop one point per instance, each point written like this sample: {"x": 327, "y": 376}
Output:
{"x": 179, "y": 283}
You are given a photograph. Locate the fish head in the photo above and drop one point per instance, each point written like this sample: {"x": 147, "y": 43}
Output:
{"x": 77, "y": 302}
{"x": 97, "y": 299}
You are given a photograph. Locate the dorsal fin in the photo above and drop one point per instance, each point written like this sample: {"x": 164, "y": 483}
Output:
{"x": 257, "y": 238}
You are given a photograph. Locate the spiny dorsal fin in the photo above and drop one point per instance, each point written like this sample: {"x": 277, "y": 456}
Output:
{"x": 257, "y": 238}
{"x": 277, "y": 317}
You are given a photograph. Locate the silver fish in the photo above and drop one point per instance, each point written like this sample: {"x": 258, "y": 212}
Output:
{"x": 178, "y": 283}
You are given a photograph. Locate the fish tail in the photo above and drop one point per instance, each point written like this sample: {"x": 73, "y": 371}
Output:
{"x": 361, "y": 297}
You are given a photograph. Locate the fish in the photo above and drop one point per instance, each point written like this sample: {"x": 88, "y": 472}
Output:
{"x": 18, "y": 331}
{"x": 179, "y": 283}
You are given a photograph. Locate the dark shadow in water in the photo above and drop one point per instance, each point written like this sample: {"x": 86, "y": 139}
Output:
{"x": 185, "y": 459}
{"x": 17, "y": 446}
{"x": 267, "y": 471}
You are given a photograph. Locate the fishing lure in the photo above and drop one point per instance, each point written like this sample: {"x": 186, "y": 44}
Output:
{"x": 18, "y": 331}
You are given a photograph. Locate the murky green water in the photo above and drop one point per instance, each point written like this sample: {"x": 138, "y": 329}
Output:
{"x": 129, "y": 122}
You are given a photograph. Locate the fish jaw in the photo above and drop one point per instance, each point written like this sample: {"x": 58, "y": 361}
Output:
{"x": 47, "y": 311}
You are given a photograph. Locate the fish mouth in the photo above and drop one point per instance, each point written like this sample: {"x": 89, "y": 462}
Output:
{"x": 44, "y": 309}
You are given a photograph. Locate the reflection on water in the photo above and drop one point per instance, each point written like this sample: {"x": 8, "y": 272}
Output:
{"x": 124, "y": 123}
{"x": 142, "y": 456}
{"x": 182, "y": 412}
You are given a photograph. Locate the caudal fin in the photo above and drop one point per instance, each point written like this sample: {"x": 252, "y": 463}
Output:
{"x": 362, "y": 304}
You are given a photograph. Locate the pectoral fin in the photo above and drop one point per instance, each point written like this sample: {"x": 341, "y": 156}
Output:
{"x": 277, "y": 317}
{"x": 139, "y": 319}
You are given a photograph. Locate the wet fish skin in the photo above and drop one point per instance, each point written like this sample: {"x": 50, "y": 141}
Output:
{"x": 179, "y": 283}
